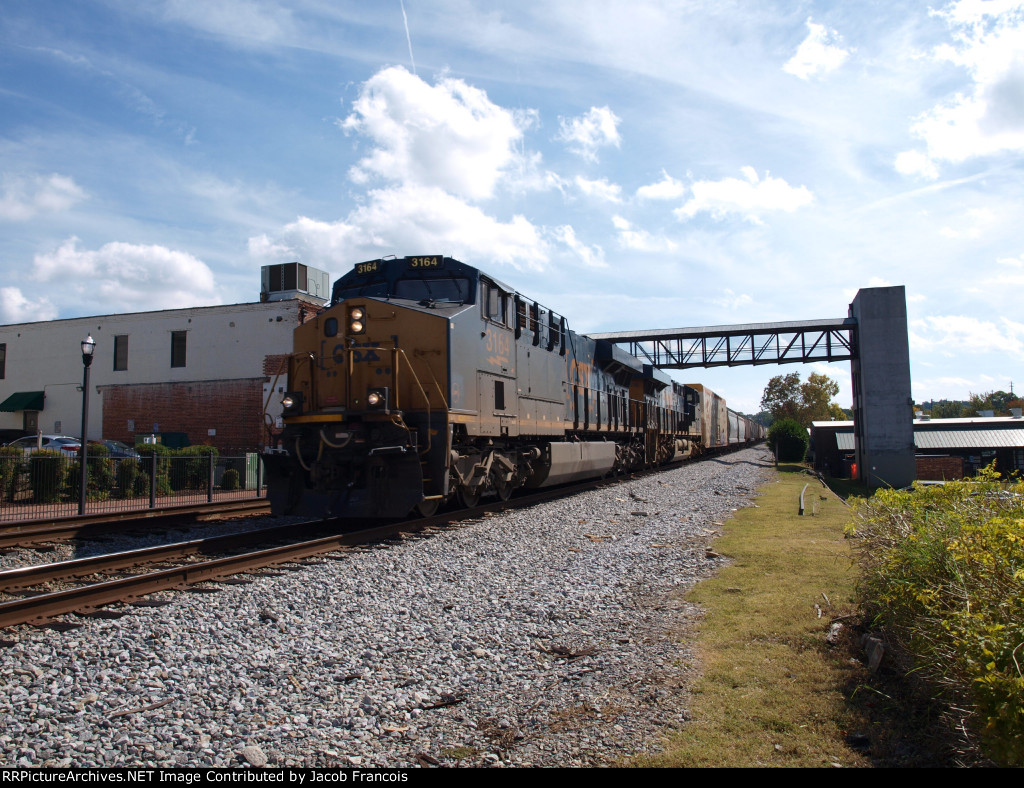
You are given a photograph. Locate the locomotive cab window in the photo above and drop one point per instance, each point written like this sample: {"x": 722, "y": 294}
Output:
{"x": 494, "y": 302}
{"x": 454, "y": 289}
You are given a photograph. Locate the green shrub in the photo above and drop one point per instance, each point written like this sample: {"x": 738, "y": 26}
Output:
{"x": 101, "y": 479}
{"x": 11, "y": 460}
{"x": 230, "y": 481}
{"x": 47, "y": 473}
{"x": 788, "y": 440}
{"x": 190, "y": 467}
{"x": 140, "y": 485}
{"x": 163, "y": 466}
{"x": 127, "y": 473}
{"x": 943, "y": 575}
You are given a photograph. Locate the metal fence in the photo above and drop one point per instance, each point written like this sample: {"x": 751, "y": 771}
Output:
{"x": 45, "y": 485}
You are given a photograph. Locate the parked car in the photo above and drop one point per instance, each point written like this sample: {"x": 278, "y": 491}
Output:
{"x": 120, "y": 450}
{"x": 63, "y": 443}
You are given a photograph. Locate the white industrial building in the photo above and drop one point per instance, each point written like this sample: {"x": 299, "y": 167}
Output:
{"x": 203, "y": 374}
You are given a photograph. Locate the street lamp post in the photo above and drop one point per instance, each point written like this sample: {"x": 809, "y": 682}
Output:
{"x": 88, "y": 346}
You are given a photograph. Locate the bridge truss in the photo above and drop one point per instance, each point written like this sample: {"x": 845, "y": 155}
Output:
{"x": 790, "y": 342}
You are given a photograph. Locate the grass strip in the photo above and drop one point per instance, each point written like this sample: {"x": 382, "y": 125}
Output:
{"x": 772, "y": 689}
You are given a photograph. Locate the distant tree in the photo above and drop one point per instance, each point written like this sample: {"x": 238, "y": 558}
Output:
{"x": 817, "y": 394}
{"x": 944, "y": 409}
{"x": 838, "y": 413}
{"x": 997, "y": 401}
{"x": 785, "y": 397}
{"x": 782, "y": 396}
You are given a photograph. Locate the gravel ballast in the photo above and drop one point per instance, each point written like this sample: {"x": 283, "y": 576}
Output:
{"x": 545, "y": 637}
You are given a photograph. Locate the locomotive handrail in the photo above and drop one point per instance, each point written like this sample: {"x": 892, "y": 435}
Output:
{"x": 426, "y": 399}
{"x": 268, "y": 420}
{"x": 300, "y": 357}
{"x": 437, "y": 385}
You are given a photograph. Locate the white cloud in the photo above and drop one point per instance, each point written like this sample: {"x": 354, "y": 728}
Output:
{"x": 977, "y": 222}
{"x": 750, "y": 196}
{"x": 913, "y": 162}
{"x": 961, "y": 333}
{"x": 527, "y": 175}
{"x": 24, "y": 197}
{"x": 407, "y": 220}
{"x": 987, "y": 118}
{"x": 120, "y": 277}
{"x": 449, "y": 135}
{"x": 641, "y": 240}
{"x": 585, "y": 134}
{"x": 16, "y": 308}
{"x": 731, "y": 301}
{"x": 252, "y": 20}
{"x": 668, "y": 188}
{"x": 600, "y": 189}
{"x": 1012, "y": 262}
{"x": 592, "y": 256}
{"x": 819, "y": 53}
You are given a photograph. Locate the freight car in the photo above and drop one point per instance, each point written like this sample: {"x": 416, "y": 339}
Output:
{"x": 427, "y": 380}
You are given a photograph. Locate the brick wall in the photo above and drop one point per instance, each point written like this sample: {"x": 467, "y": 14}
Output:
{"x": 937, "y": 469}
{"x": 234, "y": 408}
{"x": 275, "y": 364}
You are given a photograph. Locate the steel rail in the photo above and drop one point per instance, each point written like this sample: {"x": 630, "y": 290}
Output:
{"x": 37, "y": 609}
{"x": 29, "y": 533}
{"x": 27, "y": 576}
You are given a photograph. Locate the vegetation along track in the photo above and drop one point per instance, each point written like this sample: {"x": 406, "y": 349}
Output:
{"x": 42, "y": 608}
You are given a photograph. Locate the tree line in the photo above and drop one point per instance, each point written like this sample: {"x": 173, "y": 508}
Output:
{"x": 999, "y": 402}
{"x": 787, "y": 397}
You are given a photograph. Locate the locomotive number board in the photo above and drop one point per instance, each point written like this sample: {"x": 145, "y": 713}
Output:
{"x": 436, "y": 261}
{"x": 369, "y": 267}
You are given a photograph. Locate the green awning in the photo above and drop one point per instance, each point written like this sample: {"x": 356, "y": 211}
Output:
{"x": 23, "y": 400}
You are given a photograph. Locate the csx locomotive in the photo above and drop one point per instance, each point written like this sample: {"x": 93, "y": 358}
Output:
{"x": 427, "y": 380}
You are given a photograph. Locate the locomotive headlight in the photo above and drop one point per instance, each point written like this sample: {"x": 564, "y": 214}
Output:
{"x": 291, "y": 403}
{"x": 377, "y": 398}
{"x": 356, "y": 316}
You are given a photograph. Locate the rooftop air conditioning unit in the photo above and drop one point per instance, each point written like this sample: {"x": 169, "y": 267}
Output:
{"x": 294, "y": 280}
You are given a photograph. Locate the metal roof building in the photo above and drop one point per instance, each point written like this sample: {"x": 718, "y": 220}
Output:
{"x": 945, "y": 448}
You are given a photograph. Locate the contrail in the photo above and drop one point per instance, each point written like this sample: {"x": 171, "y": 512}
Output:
{"x": 407, "y": 36}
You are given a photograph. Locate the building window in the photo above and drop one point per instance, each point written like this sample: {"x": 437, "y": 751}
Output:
{"x": 178, "y": 348}
{"x": 3, "y": 360}
{"x": 120, "y": 353}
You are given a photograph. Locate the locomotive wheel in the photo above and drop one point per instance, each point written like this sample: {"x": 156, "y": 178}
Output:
{"x": 468, "y": 499}
{"x": 428, "y": 508}
{"x": 504, "y": 490}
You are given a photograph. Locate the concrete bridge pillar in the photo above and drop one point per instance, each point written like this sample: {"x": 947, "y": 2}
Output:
{"x": 883, "y": 409}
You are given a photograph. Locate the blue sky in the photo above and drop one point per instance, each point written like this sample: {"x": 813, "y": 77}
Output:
{"x": 649, "y": 164}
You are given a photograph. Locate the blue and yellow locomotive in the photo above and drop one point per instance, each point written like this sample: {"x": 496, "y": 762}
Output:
{"x": 427, "y": 381}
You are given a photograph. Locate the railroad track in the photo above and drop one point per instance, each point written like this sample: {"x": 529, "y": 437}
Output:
{"x": 40, "y": 609}
{"x": 27, "y": 534}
